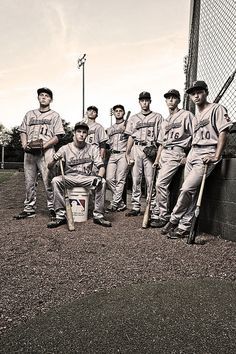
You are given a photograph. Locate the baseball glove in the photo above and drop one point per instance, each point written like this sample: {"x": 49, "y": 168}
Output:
{"x": 150, "y": 152}
{"x": 35, "y": 147}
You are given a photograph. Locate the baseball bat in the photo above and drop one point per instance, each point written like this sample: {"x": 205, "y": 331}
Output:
{"x": 225, "y": 87}
{"x": 69, "y": 215}
{"x": 146, "y": 215}
{"x": 126, "y": 118}
{"x": 195, "y": 220}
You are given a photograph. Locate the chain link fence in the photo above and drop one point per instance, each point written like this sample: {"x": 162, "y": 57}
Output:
{"x": 211, "y": 57}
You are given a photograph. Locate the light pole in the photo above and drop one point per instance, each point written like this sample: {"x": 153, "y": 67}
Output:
{"x": 81, "y": 62}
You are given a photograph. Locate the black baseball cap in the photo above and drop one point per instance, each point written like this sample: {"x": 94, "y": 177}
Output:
{"x": 81, "y": 125}
{"x": 144, "y": 95}
{"x": 119, "y": 106}
{"x": 94, "y": 108}
{"x": 197, "y": 85}
{"x": 45, "y": 90}
{"x": 172, "y": 92}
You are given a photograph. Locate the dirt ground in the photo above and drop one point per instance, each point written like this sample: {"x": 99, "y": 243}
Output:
{"x": 45, "y": 268}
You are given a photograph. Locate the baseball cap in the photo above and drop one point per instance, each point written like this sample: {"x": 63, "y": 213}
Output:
{"x": 82, "y": 125}
{"x": 45, "y": 90}
{"x": 94, "y": 108}
{"x": 143, "y": 95}
{"x": 172, "y": 92}
{"x": 197, "y": 85}
{"x": 119, "y": 106}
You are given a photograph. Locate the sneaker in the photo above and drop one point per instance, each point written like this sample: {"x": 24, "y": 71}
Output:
{"x": 56, "y": 223}
{"x": 169, "y": 227}
{"x": 133, "y": 212}
{"x": 178, "y": 233}
{"x": 158, "y": 223}
{"x": 122, "y": 207}
{"x": 25, "y": 214}
{"x": 102, "y": 222}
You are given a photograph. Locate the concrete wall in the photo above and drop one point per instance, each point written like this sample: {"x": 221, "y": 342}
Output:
{"x": 218, "y": 212}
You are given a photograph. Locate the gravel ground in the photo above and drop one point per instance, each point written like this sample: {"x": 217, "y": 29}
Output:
{"x": 42, "y": 269}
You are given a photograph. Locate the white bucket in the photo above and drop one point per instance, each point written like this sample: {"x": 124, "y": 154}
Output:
{"x": 79, "y": 198}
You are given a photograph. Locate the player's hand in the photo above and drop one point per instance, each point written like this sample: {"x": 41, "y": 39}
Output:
{"x": 57, "y": 156}
{"x": 155, "y": 164}
{"x": 27, "y": 148}
{"x": 210, "y": 159}
{"x": 183, "y": 161}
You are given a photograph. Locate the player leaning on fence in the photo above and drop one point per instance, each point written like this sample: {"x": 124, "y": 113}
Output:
{"x": 175, "y": 139}
{"x": 210, "y": 128}
{"x": 40, "y": 130}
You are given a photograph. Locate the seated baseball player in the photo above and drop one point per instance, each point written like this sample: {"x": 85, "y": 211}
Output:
{"x": 79, "y": 158}
{"x": 210, "y": 129}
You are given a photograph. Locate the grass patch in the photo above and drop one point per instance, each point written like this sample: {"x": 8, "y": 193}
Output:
{"x": 6, "y": 174}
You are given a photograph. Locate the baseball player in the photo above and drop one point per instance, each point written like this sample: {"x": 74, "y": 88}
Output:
{"x": 210, "y": 128}
{"x": 79, "y": 158}
{"x": 43, "y": 125}
{"x": 174, "y": 138}
{"x": 117, "y": 164}
{"x": 142, "y": 129}
{"x": 96, "y": 134}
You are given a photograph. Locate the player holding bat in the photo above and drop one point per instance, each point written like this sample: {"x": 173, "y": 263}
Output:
{"x": 210, "y": 128}
{"x": 79, "y": 158}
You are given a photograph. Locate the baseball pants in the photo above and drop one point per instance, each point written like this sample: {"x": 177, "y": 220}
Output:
{"x": 33, "y": 164}
{"x": 169, "y": 164}
{"x": 77, "y": 181}
{"x": 116, "y": 173}
{"x": 184, "y": 209}
{"x": 141, "y": 165}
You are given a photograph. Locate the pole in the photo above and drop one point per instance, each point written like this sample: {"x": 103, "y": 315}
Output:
{"x": 2, "y": 162}
{"x": 83, "y": 88}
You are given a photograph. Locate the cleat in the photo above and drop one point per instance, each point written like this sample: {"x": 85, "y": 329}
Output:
{"x": 133, "y": 212}
{"x": 52, "y": 214}
{"x": 168, "y": 228}
{"x": 56, "y": 223}
{"x": 178, "y": 233}
{"x": 102, "y": 222}
{"x": 158, "y": 223}
{"x": 25, "y": 214}
{"x": 111, "y": 208}
{"x": 122, "y": 207}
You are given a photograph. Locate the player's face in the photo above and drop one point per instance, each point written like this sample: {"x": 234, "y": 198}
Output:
{"x": 145, "y": 104}
{"x": 44, "y": 99}
{"x": 81, "y": 134}
{"x": 198, "y": 97}
{"x": 172, "y": 102}
{"x": 91, "y": 114}
{"x": 119, "y": 113}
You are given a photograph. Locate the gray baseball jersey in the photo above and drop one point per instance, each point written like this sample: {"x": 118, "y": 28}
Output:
{"x": 41, "y": 125}
{"x": 176, "y": 130}
{"x": 96, "y": 134}
{"x": 144, "y": 127}
{"x": 117, "y": 139}
{"x": 209, "y": 123}
{"x": 80, "y": 161}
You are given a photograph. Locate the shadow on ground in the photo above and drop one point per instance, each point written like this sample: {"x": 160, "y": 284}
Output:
{"x": 187, "y": 316}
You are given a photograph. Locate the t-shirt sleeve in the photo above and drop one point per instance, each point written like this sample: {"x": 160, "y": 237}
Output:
{"x": 221, "y": 120}
{"x": 58, "y": 126}
{"x": 97, "y": 159}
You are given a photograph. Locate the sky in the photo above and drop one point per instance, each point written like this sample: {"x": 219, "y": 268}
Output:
{"x": 131, "y": 46}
